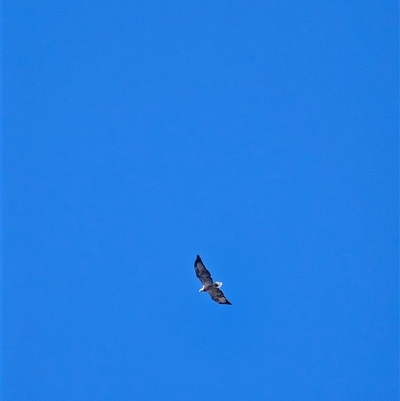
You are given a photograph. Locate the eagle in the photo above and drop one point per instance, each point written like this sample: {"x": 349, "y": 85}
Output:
{"x": 208, "y": 285}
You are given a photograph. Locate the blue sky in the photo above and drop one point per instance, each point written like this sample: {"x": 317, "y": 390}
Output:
{"x": 262, "y": 135}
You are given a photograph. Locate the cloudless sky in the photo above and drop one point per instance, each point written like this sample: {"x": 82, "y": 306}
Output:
{"x": 262, "y": 135}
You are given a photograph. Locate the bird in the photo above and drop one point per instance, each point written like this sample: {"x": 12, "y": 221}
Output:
{"x": 213, "y": 288}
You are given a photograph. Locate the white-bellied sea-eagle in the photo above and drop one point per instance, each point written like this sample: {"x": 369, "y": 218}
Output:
{"x": 208, "y": 285}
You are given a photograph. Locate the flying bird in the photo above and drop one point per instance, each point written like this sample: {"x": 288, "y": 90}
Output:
{"x": 208, "y": 285}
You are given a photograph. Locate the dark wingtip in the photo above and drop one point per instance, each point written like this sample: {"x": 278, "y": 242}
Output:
{"x": 227, "y": 303}
{"x": 198, "y": 259}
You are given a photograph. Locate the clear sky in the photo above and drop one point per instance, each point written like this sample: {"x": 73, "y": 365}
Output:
{"x": 262, "y": 135}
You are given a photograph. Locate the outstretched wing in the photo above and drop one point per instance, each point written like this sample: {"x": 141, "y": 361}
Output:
{"x": 202, "y": 273}
{"x": 218, "y": 296}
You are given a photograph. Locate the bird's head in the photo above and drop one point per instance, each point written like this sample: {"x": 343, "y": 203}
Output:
{"x": 218, "y": 284}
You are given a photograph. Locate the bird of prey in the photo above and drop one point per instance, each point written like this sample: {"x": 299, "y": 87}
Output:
{"x": 208, "y": 285}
